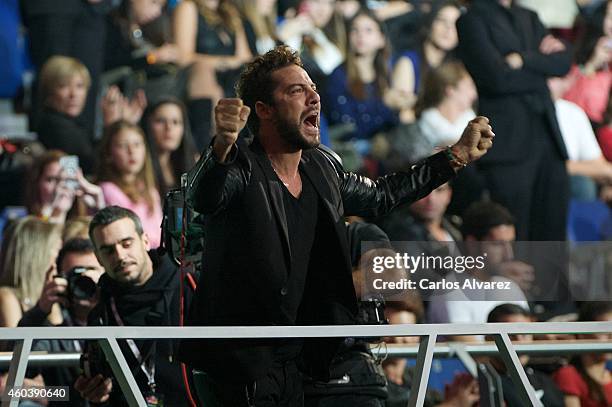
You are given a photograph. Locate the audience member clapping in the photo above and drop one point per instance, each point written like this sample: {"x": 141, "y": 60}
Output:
{"x": 64, "y": 83}
{"x": 125, "y": 174}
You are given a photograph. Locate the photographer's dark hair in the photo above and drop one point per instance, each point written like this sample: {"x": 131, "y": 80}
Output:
{"x": 480, "y": 217}
{"x": 75, "y": 245}
{"x": 112, "y": 214}
{"x": 256, "y": 84}
{"x": 507, "y": 310}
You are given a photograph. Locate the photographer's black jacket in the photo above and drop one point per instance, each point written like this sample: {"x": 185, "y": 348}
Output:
{"x": 247, "y": 256}
{"x": 156, "y": 303}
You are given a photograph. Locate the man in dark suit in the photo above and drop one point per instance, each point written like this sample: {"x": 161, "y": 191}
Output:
{"x": 509, "y": 54}
{"x": 276, "y": 249}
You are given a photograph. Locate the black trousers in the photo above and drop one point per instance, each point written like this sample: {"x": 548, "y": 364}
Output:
{"x": 535, "y": 189}
{"x": 281, "y": 387}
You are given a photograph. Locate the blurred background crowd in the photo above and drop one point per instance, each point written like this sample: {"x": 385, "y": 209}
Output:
{"x": 129, "y": 86}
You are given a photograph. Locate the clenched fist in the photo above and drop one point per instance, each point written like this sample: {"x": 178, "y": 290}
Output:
{"x": 230, "y": 118}
{"x": 476, "y": 140}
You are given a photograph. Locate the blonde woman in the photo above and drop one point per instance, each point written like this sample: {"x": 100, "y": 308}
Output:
{"x": 28, "y": 257}
{"x": 64, "y": 84}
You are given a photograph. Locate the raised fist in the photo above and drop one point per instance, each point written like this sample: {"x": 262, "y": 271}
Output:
{"x": 230, "y": 118}
{"x": 476, "y": 140}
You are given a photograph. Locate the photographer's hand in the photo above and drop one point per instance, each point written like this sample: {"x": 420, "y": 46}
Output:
{"x": 95, "y": 389}
{"x": 53, "y": 291}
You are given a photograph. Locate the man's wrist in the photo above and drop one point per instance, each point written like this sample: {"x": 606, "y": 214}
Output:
{"x": 221, "y": 150}
{"x": 457, "y": 156}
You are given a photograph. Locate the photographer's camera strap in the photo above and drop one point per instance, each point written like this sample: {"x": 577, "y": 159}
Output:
{"x": 147, "y": 365}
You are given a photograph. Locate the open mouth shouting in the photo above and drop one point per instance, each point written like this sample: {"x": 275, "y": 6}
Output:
{"x": 311, "y": 121}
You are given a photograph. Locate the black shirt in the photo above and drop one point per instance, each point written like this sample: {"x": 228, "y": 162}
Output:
{"x": 155, "y": 303}
{"x": 302, "y": 214}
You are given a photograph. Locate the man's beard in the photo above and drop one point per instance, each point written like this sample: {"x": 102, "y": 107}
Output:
{"x": 292, "y": 135}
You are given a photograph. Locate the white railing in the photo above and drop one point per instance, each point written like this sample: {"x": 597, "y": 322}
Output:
{"x": 428, "y": 333}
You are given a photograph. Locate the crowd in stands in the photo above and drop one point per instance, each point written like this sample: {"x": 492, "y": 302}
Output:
{"x": 129, "y": 88}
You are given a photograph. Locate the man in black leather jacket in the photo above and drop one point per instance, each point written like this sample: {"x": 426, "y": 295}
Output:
{"x": 276, "y": 250}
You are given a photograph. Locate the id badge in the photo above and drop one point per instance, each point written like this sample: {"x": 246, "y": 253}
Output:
{"x": 154, "y": 399}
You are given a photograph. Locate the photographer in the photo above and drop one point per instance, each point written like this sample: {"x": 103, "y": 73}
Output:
{"x": 71, "y": 283}
{"x": 140, "y": 288}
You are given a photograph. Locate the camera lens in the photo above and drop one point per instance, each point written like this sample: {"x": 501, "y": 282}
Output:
{"x": 83, "y": 288}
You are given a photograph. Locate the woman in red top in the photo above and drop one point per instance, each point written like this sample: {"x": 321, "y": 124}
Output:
{"x": 587, "y": 382}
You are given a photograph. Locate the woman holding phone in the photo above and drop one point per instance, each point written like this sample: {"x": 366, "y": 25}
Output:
{"x": 55, "y": 196}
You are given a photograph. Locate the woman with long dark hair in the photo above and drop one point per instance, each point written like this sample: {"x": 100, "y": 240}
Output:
{"x": 438, "y": 40}
{"x": 173, "y": 151}
{"x": 586, "y": 381}
{"x": 366, "y": 90}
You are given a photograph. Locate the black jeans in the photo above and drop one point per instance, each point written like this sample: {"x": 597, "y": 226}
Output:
{"x": 281, "y": 387}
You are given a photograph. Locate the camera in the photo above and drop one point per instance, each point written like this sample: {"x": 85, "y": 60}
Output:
{"x": 93, "y": 361}
{"x": 372, "y": 310}
{"x": 80, "y": 286}
{"x": 178, "y": 218}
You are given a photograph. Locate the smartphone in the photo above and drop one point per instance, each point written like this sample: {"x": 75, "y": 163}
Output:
{"x": 70, "y": 167}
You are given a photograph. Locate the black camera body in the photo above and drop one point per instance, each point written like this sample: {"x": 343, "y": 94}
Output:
{"x": 371, "y": 311}
{"x": 93, "y": 361}
{"x": 80, "y": 286}
{"x": 180, "y": 219}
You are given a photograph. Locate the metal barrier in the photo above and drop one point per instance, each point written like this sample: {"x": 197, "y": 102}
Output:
{"x": 428, "y": 333}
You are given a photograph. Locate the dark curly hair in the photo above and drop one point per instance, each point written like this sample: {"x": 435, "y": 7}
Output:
{"x": 256, "y": 84}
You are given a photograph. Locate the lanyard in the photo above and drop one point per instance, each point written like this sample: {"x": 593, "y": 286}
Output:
{"x": 147, "y": 368}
